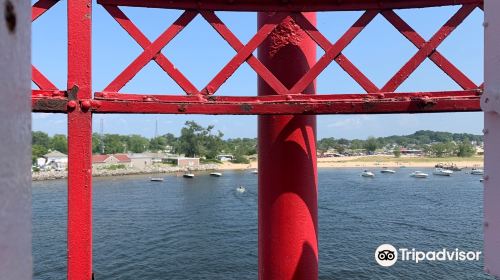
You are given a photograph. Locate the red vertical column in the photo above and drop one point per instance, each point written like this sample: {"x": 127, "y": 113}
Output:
{"x": 288, "y": 206}
{"x": 79, "y": 141}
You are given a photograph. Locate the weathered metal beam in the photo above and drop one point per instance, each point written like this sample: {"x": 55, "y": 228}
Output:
{"x": 79, "y": 141}
{"x": 384, "y": 103}
{"x": 287, "y": 6}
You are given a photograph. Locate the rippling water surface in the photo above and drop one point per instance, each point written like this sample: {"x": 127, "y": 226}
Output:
{"x": 202, "y": 228}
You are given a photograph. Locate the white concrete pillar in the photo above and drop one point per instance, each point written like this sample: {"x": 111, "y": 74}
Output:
{"x": 15, "y": 140}
{"x": 490, "y": 103}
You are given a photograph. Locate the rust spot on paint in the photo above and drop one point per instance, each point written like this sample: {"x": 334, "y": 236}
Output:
{"x": 212, "y": 98}
{"x": 426, "y": 103}
{"x": 182, "y": 108}
{"x": 369, "y": 105}
{"x": 286, "y": 33}
{"x": 10, "y": 16}
{"x": 246, "y": 107}
{"x": 50, "y": 105}
{"x": 72, "y": 93}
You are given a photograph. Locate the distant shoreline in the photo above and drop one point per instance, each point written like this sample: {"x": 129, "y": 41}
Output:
{"x": 336, "y": 162}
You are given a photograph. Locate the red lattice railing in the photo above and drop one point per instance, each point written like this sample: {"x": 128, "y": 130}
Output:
{"x": 287, "y": 100}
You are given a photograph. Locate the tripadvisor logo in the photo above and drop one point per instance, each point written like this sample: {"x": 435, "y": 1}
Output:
{"x": 387, "y": 255}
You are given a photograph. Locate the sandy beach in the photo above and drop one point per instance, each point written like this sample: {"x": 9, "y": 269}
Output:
{"x": 375, "y": 161}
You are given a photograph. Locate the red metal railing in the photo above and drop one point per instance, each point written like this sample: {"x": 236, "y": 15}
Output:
{"x": 284, "y": 97}
{"x": 288, "y": 100}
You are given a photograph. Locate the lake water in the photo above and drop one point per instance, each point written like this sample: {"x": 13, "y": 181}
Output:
{"x": 202, "y": 228}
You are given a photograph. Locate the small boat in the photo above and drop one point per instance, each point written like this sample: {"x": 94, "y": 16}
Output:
{"x": 367, "y": 174}
{"x": 477, "y": 171}
{"x": 255, "y": 171}
{"x": 442, "y": 172}
{"x": 240, "y": 189}
{"x": 188, "y": 175}
{"x": 215, "y": 174}
{"x": 156, "y": 179}
{"x": 419, "y": 174}
{"x": 387, "y": 171}
{"x": 481, "y": 180}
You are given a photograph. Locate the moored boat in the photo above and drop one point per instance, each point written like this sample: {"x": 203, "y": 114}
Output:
{"x": 419, "y": 174}
{"x": 156, "y": 179}
{"x": 367, "y": 174}
{"x": 188, "y": 175}
{"x": 215, "y": 174}
{"x": 387, "y": 171}
{"x": 442, "y": 172}
{"x": 477, "y": 171}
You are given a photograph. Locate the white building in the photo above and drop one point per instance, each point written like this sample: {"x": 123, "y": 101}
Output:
{"x": 56, "y": 160}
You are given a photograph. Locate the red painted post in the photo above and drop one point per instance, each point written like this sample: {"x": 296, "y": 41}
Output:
{"x": 79, "y": 142}
{"x": 288, "y": 206}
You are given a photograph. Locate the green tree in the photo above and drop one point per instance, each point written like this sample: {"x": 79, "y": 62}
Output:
{"x": 137, "y": 143}
{"x": 239, "y": 158}
{"x": 157, "y": 144}
{"x": 40, "y": 138}
{"x": 59, "y": 143}
{"x": 371, "y": 144}
{"x": 357, "y": 144}
{"x": 37, "y": 151}
{"x": 96, "y": 143}
{"x": 325, "y": 144}
{"x": 340, "y": 148}
{"x": 114, "y": 144}
{"x": 397, "y": 152}
{"x": 465, "y": 149}
{"x": 443, "y": 149}
{"x": 196, "y": 140}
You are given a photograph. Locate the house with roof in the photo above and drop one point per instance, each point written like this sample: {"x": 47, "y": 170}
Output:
{"x": 107, "y": 160}
{"x": 55, "y": 160}
{"x": 183, "y": 161}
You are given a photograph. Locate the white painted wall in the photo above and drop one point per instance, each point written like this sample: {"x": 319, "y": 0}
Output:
{"x": 490, "y": 103}
{"x": 15, "y": 141}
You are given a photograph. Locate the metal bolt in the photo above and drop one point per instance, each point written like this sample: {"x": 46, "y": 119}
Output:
{"x": 71, "y": 105}
{"x": 86, "y": 105}
{"x": 10, "y": 16}
{"x": 485, "y": 131}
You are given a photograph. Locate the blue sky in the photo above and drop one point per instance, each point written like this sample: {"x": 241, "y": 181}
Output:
{"x": 199, "y": 52}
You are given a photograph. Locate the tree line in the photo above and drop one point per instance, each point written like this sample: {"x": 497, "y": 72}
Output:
{"x": 205, "y": 142}
{"x": 194, "y": 141}
{"x": 432, "y": 143}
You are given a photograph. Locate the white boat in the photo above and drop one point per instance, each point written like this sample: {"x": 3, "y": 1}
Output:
{"x": 156, "y": 179}
{"x": 240, "y": 189}
{"x": 188, "y": 175}
{"x": 216, "y": 174}
{"x": 481, "y": 180}
{"x": 367, "y": 174}
{"x": 255, "y": 171}
{"x": 442, "y": 172}
{"x": 387, "y": 171}
{"x": 477, "y": 171}
{"x": 419, "y": 174}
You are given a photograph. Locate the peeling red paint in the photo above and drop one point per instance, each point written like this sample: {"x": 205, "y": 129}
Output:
{"x": 286, "y": 33}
